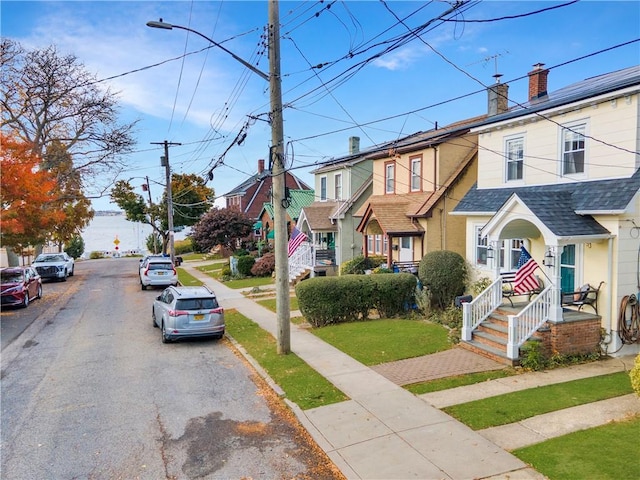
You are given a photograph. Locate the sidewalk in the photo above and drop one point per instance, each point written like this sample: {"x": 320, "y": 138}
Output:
{"x": 386, "y": 432}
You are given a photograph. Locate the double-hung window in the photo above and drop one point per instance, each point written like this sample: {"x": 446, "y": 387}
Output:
{"x": 323, "y": 189}
{"x": 481, "y": 247}
{"x": 573, "y": 149}
{"x": 514, "y": 154}
{"x": 416, "y": 174}
{"x": 337, "y": 182}
{"x": 390, "y": 177}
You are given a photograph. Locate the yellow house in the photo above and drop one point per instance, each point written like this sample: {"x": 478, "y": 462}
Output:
{"x": 560, "y": 177}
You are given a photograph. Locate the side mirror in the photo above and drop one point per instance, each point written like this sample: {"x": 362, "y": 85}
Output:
{"x": 159, "y": 297}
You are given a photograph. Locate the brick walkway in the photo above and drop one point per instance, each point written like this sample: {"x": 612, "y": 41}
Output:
{"x": 456, "y": 361}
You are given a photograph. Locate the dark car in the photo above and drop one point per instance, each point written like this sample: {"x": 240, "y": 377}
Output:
{"x": 20, "y": 285}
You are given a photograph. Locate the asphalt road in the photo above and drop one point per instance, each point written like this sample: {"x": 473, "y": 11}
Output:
{"x": 89, "y": 391}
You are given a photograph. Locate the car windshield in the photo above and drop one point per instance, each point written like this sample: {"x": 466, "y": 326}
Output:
{"x": 160, "y": 266}
{"x": 50, "y": 258}
{"x": 11, "y": 277}
{"x": 196, "y": 304}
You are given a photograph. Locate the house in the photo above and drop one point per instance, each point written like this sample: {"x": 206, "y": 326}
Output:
{"x": 250, "y": 196}
{"x": 297, "y": 200}
{"x": 558, "y": 175}
{"x": 342, "y": 186}
{"x": 417, "y": 181}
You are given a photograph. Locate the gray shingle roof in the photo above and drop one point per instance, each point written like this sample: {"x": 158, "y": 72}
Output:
{"x": 564, "y": 208}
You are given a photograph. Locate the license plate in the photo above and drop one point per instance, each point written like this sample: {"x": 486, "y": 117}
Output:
{"x": 198, "y": 316}
{"x": 160, "y": 273}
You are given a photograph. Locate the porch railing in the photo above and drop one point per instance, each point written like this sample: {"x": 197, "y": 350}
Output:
{"x": 521, "y": 326}
{"x": 525, "y": 323}
{"x": 301, "y": 260}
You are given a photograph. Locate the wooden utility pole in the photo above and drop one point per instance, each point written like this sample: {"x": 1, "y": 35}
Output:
{"x": 283, "y": 336}
{"x": 164, "y": 161}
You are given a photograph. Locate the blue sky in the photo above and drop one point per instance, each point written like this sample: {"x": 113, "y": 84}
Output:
{"x": 203, "y": 100}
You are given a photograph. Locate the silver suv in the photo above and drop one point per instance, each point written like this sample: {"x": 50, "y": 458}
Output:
{"x": 182, "y": 312}
{"x": 157, "y": 271}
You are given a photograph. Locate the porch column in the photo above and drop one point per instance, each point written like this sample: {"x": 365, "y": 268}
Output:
{"x": 555, "y": 309}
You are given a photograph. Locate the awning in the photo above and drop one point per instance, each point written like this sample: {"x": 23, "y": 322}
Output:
{"x": 257, "y": 225}
{"x": 271, "y": 234}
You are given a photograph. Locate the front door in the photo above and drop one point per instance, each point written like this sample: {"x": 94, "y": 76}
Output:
{"x": 406, "y": 249}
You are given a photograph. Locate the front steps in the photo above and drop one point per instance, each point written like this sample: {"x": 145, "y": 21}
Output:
{"x": 490, "y": 339}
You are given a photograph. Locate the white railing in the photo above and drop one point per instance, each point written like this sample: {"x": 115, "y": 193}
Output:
{"x": 525, "y": 323}
{"x": 474, "y": 312}
{"x": 301, "y": 260}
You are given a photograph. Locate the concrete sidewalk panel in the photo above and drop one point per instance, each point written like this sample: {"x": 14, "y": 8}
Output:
{"x": 361, "y": 383}
{"x": 461, "y": 452}
{"x": 400, "y": 410}
{"x": 346, "y": 423}
{"x": 390, "y": 458}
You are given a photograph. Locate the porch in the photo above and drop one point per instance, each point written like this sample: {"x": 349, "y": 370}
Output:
{"x": 309, "y": 261}
{"x": 498, "y": 330}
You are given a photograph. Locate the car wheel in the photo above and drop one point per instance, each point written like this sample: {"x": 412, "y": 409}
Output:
{"x": 165, "y": 339}
{"x": 64, "y": 278}
{"x": 143, "y": 286}
{"x": 72, "y": 270}
{"x": 25, "y": 301}
{"x": 153, "y": 318}
{"x": 39, "y": 292}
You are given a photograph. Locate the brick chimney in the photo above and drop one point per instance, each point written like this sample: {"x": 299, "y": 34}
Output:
{"x": 354, "y": 145}
{"x": 538, "y": 82}
{"x": 260, "y": 166}
{"x": 498, "y": 97}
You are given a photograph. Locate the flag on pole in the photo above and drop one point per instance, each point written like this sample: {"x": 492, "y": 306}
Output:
{"x": 525, "y": 281}
{"x": 297, "y": 237}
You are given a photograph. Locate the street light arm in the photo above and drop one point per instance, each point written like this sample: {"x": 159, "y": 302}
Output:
{"x": 169, "y": 26}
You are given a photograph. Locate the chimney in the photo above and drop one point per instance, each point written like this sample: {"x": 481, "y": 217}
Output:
{"x": 498, "y": 97}
{"x": 538, "y": 82}
{"x": 260, "y": 166}
{"x": 354, "y": 145}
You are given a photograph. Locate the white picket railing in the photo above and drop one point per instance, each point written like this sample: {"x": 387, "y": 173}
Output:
{"x": 476, "y": 311}
{"x": 301, "y": 260}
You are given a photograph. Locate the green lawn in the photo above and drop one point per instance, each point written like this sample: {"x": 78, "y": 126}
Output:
{"x": 516, "y": 406}
{"x": 187, "y": 279}
{"x": 378, "y": 341}
{"x": 301, "y": 383}
{"x": 608, "y": 452}
{"x": 458, "y": 381}
{"x": 270, "y": 303}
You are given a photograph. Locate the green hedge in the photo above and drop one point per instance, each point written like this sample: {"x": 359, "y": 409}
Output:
{"x": 326, "y": 300}
{"x": 359, "y": 264}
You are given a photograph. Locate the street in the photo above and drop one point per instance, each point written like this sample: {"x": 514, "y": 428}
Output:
{"x": 89, "y": 391}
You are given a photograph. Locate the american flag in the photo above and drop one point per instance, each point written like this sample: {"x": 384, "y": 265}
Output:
{"x": 297, "y": 237}
{"x": 525, "y": 280}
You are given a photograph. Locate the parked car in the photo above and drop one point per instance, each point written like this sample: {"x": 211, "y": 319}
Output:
{"x": 182, "y": 312}
{"x": 57, "y": 266}
{"x": 20, "y": 285}
{"x": 157, "y": 271}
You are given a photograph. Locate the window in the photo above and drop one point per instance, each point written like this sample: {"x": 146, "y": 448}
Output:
{"x": 378, "y": 244}
{"x": 323, "y": 188}
{"x": 515, "y": 253}
{"x": 573, "y": 146}
{"x": 370, "y": 243}
{"x": 385, "y": 244}
{"x": 416, "y": 174}
{"x": 514, "y": 154}
{"x": 568, "y": 269}
{"x": 337, "y": 180}
{"x": 390, "y": 177}
{"x": 481, "y": 248}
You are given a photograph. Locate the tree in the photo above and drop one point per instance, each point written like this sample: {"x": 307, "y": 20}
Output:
{"x": 27, "y": 213}
{"x": 444, "y": 274}
{"x": 192, "y": 200}
{"x": 48, "y": 97}
{"x": 221, "y": 226}
{"x": 75, "y": 247}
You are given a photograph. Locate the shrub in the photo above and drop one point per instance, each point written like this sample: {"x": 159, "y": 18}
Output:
{"x": 634, "y": 374}
{"x": 245, "y": 263}
{"x": 75, "y": 247}
{"x": 480, "y": 285}
{"x": 393, "y": 293}
{"x": 532, "y": 357}
{"x": 444, "y": 274}
{"x": 183, "y": 246}
{"x": 264, "y": 266}
{"x": 94, "y": 255}
{"x": 359, "y": 264}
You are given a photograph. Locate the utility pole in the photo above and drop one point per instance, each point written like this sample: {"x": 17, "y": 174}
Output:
{"x": 164, "y": 161}
{"x": 283, "y": 336}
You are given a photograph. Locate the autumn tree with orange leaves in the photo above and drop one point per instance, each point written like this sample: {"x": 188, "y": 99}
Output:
{"x": 27, "y": 216}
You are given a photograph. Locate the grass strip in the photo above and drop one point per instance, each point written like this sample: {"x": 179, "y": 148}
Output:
{"x": 187, "y": 279}
{"x": 608, "y": 452}
{"x": 458, "y": 381}
{"x": 378, "y": 341}
{"x": 516, "y": 406}
{"x": 270, "y": 303}
{"x": 301, "y": 383}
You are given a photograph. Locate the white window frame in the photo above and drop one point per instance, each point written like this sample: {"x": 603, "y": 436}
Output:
{"x": 574, "y": 136}
{"x": 370, "y": 244}
{"x": 510, "y": 153}
{"x": 390, "y": 177}
{"x": 416, "y": 174}
{"x": 481, "y": 244}
{"x": 378, "y": 242}
{"x": 323, "y": 189}
{"x": 337, "y": 186}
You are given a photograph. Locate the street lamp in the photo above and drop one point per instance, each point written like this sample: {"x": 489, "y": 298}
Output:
{"x": 277, "y": 161}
